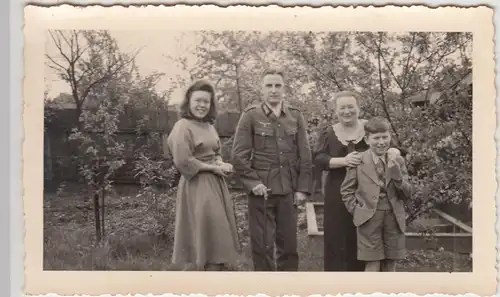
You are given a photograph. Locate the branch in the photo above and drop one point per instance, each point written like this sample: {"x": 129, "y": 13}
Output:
{"x": 382, "y": 97}
{"x": 330, "y": 76}
{"x": 59, "y": 66}
{"x": 108, "y": 75}
{"x": 413, "y": 71}
{"x": 405, "y": 69}
{"x": 445, "y": 54}
{"x": 59, "y": 46}
{"x": 379, "y": 49}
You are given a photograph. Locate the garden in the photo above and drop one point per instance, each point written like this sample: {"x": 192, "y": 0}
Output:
{"x": 109, "y": 201}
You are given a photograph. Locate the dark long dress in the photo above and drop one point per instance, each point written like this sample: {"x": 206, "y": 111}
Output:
{"x": 340, "y": 243}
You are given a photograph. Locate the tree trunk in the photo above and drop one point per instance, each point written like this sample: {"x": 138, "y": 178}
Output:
{"x": 240, "y": 104}
{"x": 78, "y": 113}
{"x": 97, "y": 217}
{"x": 103, "y": 225}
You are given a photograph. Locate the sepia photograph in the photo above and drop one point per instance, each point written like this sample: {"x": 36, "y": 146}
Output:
{"x": 155, "y": 144}
{"x": 221, "y": 149}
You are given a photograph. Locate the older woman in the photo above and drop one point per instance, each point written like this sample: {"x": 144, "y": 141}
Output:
{"x": 205, "y": 227}
{"x": 339, "y": 146}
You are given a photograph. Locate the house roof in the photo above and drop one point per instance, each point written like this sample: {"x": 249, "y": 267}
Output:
{"x": 433, "y": 95}
{"x": 465, "y": 80}
{"x": 426, "y": 95}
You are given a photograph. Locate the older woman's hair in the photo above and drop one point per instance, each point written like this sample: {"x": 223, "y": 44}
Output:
{"x": 333, "y": 102}
{"x": 199, "y": 85}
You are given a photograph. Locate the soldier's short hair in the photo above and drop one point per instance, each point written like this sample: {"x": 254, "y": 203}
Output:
{"x": 199, "y": 85}
{"x": 273, "y": 70}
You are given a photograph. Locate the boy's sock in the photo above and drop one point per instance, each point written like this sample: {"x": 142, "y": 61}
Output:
{"x": 372, "y": 266}
{"x": 389, "y": 265}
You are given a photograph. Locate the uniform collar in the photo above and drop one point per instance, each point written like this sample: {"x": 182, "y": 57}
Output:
{"x": 267, "y": 110}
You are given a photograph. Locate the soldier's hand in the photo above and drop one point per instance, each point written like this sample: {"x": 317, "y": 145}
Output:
{"x": 299, "y": 198}
{"x": 259, "y": 190}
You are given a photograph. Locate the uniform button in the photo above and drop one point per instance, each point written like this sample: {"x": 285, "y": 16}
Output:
{"x": 281, "y": 166}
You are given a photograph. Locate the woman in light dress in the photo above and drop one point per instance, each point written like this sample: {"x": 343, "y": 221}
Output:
{"x": 205, "y": 229}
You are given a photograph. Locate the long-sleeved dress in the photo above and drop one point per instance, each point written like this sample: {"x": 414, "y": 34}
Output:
{"x": 340, "y": 245}
{"x": 205, "y": 227}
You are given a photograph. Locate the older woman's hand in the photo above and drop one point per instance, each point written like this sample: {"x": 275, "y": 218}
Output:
{"x": 353, "y": 159}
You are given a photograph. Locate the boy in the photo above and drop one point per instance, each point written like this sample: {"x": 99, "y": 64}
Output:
{"x": 374, "y": 193}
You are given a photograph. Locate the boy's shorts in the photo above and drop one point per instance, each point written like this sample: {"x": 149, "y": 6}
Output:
{"x": 381, "y": 238}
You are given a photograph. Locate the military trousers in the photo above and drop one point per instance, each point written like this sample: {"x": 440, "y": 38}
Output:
{"x": 279, "y": 223}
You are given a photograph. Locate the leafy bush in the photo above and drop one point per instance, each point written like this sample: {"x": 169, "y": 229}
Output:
{"x": 158, "y": 179}
{"x": 440, "y": 160}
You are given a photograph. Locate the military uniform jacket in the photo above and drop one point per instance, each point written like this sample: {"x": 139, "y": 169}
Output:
{"x": 273, "y": 150}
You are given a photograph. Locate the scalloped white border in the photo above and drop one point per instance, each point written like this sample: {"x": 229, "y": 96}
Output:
{"x": 434, "y": 19}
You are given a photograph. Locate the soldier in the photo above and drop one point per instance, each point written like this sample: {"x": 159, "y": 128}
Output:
{"x": 272, "y": 158}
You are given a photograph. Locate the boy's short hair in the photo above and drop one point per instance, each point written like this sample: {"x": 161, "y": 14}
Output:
{"x": 377, "y": 125}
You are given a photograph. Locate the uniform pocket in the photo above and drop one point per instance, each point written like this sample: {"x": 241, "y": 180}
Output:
{"x": 293, "y": 176}
{"x": 291, "y": 136}
{"x": 262, "y": 137}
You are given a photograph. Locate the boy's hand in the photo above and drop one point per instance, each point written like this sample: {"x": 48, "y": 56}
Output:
{"x": 394, "y": 168}
{"x": 393, "y": 153}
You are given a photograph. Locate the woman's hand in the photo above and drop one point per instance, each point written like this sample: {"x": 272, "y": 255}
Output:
{"x": 353, "y": 159}
{"x": 226, "y": 167}
{"x": 218, "y": 171}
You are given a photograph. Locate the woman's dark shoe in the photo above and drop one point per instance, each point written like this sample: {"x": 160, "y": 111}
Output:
{"x": 214, "y": 267}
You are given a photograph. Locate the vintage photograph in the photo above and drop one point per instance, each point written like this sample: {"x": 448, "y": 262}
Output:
{"x": 258, "y": 151}
{"x": 202, "y": 149}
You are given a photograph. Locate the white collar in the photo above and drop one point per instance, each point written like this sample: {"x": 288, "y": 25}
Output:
{"x": 345, "y": 138}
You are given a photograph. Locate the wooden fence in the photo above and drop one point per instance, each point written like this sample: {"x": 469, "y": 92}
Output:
{"x": 59, "y": 167}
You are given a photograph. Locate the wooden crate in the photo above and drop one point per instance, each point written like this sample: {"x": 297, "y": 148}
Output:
{"x": 458, "y": 240}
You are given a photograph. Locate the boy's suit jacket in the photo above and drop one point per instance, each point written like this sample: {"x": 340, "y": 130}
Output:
{"x": 360, "y": 191}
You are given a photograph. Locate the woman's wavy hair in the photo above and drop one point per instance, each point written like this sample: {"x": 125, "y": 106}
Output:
{"x": 199, "y": 85}
{"x": 357, "y": 97}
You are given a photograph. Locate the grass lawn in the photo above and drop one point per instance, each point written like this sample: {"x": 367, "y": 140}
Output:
{"x": 133, "y": 244}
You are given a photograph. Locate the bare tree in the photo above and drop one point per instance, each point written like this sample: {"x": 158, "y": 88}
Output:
{"x": 86, "y": 59}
